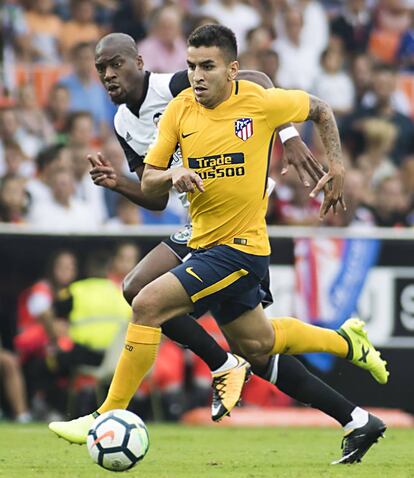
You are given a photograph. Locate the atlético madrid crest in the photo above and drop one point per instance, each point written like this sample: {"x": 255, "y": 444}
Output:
{"x": 243, "y": 127}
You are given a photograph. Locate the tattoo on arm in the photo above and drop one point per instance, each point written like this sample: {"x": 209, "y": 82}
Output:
{"x": 321, "y": 114}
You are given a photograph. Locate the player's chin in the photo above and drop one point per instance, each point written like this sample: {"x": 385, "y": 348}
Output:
{"x": 117, "y": 98}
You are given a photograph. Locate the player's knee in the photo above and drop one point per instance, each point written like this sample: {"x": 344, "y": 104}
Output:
{"x": 145, "y": 309}
{"x": 255, "y": 348}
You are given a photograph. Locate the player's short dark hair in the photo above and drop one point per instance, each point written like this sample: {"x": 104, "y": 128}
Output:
{"x": 215, "y": 35}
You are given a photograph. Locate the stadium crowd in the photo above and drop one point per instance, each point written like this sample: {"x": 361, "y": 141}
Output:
{"x": 356, "y": 55}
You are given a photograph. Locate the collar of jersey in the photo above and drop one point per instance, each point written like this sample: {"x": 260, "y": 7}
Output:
{"x": 136, "y": 108}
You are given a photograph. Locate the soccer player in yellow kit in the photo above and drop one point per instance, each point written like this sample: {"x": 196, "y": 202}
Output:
{"x": 225, "y": 130}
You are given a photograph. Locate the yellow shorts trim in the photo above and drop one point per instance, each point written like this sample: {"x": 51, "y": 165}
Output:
{"x": 221, "y": 284}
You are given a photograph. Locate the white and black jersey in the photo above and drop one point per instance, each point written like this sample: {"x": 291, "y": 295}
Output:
{"x": 135, "y": 126}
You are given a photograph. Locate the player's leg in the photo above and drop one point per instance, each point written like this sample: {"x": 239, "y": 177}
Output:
{"x": 351, "y": 341}
{"x": 361, "y": 429}
{"x": 183, "y": 330}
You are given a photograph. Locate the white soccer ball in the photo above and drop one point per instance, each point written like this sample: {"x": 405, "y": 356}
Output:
{"x": 118, "y": 440}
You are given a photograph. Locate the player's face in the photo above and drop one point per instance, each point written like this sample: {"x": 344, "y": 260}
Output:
{"x": 119, "y": 73}
{"x": 210, "y": 74}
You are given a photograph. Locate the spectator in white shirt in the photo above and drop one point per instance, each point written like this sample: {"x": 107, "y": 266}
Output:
{"x": 63, "y": 213}
{"x": 298, "y": 60}
{"x": 236, "y": 15}
{"x": 333, "y": 79}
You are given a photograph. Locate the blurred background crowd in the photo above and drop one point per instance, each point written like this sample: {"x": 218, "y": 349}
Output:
{"x": 358, "y": 55}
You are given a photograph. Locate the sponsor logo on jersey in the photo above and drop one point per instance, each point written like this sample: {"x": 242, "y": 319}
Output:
{"x": 128, "y": 137}
{"x": 216, "y": 160}
{"x": 186, "y": 135}
{"x": 243, "y": 128}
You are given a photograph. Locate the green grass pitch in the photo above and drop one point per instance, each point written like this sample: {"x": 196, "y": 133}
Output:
{"x": 198, "y": 452}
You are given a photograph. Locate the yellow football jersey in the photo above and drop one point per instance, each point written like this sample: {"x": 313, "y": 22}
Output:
{"x": 230, "y": 148}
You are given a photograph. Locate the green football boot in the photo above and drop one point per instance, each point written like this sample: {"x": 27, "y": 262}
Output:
{"x": 361, "y": 351}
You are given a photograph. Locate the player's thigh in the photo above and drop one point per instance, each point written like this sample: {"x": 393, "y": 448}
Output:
{"x": 252, "y": 332}
{"x": 162, "y": 299}
{"x": 156, "y": 263}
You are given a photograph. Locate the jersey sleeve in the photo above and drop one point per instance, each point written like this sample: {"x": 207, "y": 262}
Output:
{"x": 285, "y": 106}
{"x": 160, "y": 152}
{"x": 134, "y": 159}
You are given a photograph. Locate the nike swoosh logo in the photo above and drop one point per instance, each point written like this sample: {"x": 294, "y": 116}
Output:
{"x": 188, "y": 134}
{"x": 109, "y": 433}
{"x": 190, "y": 271}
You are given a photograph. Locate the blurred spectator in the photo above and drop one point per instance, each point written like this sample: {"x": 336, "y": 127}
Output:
{"x": 34, "y": 313}
{"x": 86, "y": 92}
{"x": 269, "y": 64}
{"x": 236, "y": 15}
{"x": 64, "y": 212}
{"x": 407, "y": 175}
{"x": 11, "y": 129}
{"x": 13, "y": 200}
{"x": 332, "y": 79}
{"x": 291, "y": 204}
{"x": 167, "y": 40}
{"x": 384, "y": 90}
{"x": 248, "y": 61}
{"x": 44, "y": 31}
{"x": 15, "y": 161}
{"x": 36, "y": 331}
{"x": 315, "y": 24}
{"x": 124, "y": 259}
{"x": 80, "y": 135}
{"x": 32, "y": 117}
{"x": 131, "y": 18}
{"x": 13, "y": 39}
{"x": 57, "y": 109}
{"x": 391, "y": 204}
{"x": 315, "y": 28}
{"x": 298, "y": 61}
{"x": 384, "y": 83}
{"x": 379, "y": 138}
{"x": 405, "y": 51}
{"x": 126, "y": 214}
{"x": 91, "y": 323}
{"x": 81, "y": 28}
{"x": 353, "y": 26}
{"x": 362, "y": 75}
{"x": 48, "y": 161}
{"x": 14, "y": 387}
{"x": 392, "y": 18}
{"x": 259, "y": 39}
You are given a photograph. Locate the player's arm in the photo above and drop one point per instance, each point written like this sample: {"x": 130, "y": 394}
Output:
{"x": 104, "y": 174}
{"x": 322, "y": 115}
{"x": 294, "y": 150}
{"x": 157, "y": 179}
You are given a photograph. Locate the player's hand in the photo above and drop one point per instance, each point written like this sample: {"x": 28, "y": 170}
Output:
{"x": 102, "y": 172}
{"x": 332, "y": 184}
{"x": 296, "y": 153}
{"x": 186, "y": 181}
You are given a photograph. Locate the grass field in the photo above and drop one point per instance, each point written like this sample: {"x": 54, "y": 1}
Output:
{"x": 198, "y": 452}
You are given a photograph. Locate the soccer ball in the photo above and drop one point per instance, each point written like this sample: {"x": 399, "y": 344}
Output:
{"x": 118, "y": 440}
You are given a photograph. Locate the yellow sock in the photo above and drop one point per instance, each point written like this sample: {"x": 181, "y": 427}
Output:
{"x": 292, "y": 337}
{"x": 137, "y": 357}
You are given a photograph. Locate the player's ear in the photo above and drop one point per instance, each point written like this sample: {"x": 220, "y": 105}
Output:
{"x": 232, "y": 70}
{"x": 140, "y": 62}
